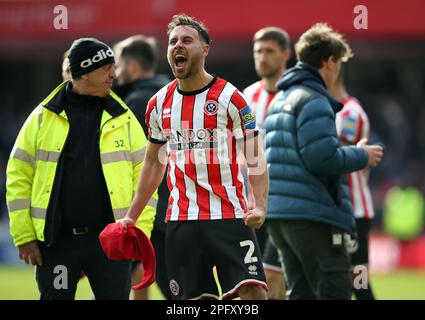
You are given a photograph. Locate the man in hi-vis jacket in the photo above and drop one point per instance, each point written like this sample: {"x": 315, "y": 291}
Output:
{"x": 73, "y": 169}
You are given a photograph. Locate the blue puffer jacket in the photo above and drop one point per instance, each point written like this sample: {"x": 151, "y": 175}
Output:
{"x": 307, "y": 165}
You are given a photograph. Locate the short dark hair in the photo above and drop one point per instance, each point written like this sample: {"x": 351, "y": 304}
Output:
{"x": 319, "y": 43}
{"x": 141, "y": 48}
{"x": 278, "y": 35}
{"x": 185, "y": 20}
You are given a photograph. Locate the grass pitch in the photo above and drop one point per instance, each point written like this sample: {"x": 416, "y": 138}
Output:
{"x": 18, "y": 283}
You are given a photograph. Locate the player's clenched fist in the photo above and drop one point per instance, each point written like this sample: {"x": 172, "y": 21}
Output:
{"x": 374, "y": 152}
{"x": 254, "y": 218}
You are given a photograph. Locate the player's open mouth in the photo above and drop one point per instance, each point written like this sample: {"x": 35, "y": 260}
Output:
{"x": 180, "y": 61}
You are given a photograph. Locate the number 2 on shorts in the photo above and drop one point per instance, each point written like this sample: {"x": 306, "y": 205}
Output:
{"x": 248, "y": 257}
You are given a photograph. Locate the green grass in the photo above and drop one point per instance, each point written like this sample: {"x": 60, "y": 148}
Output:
{"x": 402, "y": 285}
{"x": 18, "y": 283}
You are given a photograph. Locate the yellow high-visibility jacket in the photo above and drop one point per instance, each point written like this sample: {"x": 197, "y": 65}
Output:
{"x": 34, "y": 159}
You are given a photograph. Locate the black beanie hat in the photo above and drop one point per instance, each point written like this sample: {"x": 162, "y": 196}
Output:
{"x": 88, "y": 54}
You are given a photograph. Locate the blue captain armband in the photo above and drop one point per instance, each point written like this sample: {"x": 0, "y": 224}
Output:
{"x": 248, "y": 116}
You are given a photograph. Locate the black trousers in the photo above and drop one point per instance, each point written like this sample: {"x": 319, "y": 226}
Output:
{"x": 314, "y": 267}
{"x": 64, "y": 261}
{"x": 158, "y": 242}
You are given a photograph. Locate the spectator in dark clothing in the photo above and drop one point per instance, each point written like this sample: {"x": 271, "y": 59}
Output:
{"x": 137, "y": 83}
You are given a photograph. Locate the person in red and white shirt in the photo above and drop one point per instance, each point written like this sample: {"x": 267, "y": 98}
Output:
{"x": 353, "y": 127}
{"x": 271, "y": 54}
{"x": 201, "y": 119}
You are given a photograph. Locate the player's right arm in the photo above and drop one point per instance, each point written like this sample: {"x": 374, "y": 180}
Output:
{"x": 153, "y": 171}
{"x": 154, "y": 165}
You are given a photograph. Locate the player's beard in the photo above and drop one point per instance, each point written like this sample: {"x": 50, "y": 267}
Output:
{"x": 188, "y": 72}
{"x": 124, "y": 76}
{"x": 268, "y": 73}
{"x": 192, "y": 64}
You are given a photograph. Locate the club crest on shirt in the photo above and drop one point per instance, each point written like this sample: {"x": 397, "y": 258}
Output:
{"x": 211, "y": 107}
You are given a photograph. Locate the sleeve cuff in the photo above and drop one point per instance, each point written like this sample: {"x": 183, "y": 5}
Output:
{"x": 249, "y": 135}
{"x": 156, "y": 141}
{"x": 347, "y": 140}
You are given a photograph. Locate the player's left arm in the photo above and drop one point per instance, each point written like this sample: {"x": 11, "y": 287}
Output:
{"x": 350, "y": 126}
{"x": 259, "y": 180}
{"x": 246, "y": 133}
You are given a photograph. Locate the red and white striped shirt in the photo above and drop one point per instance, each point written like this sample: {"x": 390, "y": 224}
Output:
{"x": 201, "y": 129}
{"x": 259, "y": 98}
{"x": 353, "y": 125}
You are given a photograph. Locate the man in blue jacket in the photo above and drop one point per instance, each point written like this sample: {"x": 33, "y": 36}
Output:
{"x": 309, "y": 206}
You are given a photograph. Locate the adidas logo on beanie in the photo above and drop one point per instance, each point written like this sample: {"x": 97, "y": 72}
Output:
{"x": 88, "y": 54}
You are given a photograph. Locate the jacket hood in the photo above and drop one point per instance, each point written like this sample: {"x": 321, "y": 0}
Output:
{"x": 305, "y": 75}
